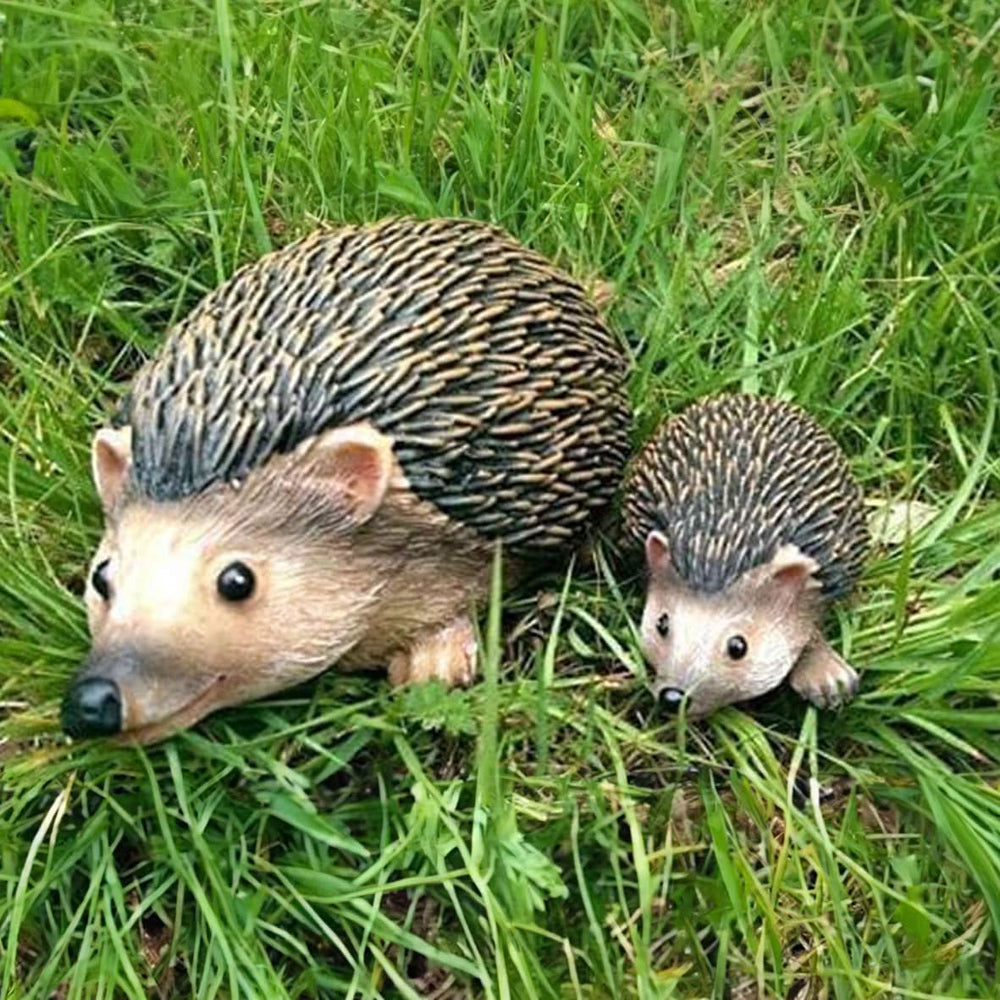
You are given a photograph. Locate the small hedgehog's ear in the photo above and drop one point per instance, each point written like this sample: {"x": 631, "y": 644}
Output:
{"x": 357, "y": 463}
{"x": 110, "y": 460}
{"x": 658, "y": 560}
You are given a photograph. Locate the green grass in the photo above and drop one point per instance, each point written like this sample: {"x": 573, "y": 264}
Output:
{"x": 796, "y": 198}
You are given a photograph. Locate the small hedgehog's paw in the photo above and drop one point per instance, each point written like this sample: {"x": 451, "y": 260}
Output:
{"x": 824, "y": 678}
{"x": 447, "y": 655}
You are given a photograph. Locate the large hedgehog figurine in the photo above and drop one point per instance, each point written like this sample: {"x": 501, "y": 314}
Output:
{"x": 751, "y": 525}
{"x": 318, "y": 464}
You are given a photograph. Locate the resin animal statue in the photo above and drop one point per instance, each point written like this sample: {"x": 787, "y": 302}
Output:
{"x": 751, "y": 524}
{"x": 317, "y": 466}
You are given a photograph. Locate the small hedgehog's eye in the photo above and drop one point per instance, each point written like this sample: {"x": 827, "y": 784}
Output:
{"x": 99, "y": 579}
{"x": 663, "y": 625}
{"x": 736, "y": 647}
{"x": 235, "y": 582}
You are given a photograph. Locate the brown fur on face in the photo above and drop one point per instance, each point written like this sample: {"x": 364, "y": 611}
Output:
{"x": 773, "y": 608}
{"x": 348, "y": 567}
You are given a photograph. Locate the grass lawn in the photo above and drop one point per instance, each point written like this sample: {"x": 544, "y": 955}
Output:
{"x": 798, "y": 198}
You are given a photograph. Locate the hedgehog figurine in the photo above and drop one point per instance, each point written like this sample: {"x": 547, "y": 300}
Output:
{"x": 751, "y": 525}
{"x": 318, "y": 464}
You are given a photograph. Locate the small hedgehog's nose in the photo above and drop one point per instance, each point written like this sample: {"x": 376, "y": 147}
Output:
{"x": 92, "y": 707}
{"x": 671, "y": 698}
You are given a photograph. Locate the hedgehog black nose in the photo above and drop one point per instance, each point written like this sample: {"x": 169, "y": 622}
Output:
{"x": 671, "y": 698}
{"x": 92, "y": 707}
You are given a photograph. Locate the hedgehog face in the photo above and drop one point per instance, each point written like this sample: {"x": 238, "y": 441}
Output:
{"x": 230, "y": 595}
{"x": 715, "y": 649}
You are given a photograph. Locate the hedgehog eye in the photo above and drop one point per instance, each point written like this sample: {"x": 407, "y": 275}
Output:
{"x": 235, "y": 582}
{"x": 663, "y": 625}
{"x": 736, "y": 647}
{"x": 99, "y": 579}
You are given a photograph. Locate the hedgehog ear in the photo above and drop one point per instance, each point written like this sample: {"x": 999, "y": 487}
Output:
{"x": 658, "y": 560}
{"x": 357, "y": 463}
{"x": 110, "y": 461}
{"x": 789, "y": 569}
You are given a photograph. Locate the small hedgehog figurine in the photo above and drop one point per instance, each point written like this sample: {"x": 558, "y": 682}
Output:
{"x": 751, "y": 524}
{"x": 317, "y": 465}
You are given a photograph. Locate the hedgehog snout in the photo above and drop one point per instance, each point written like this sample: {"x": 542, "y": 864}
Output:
{"x": 670, "y": 698}
{"x": 93, "y": 706}
{"x": 127, "y": 690}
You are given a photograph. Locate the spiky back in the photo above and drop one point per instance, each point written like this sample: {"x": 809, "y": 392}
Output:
{"x": 732, "y": 477}
{"x": 492, "y": 371}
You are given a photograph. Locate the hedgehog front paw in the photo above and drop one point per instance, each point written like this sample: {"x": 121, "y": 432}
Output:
{"x": 823, "y": 677}
{"x": 447, "y": 655}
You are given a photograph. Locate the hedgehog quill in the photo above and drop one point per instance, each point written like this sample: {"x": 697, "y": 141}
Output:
{"x": 316, "y": 466}
{"x": 751, "y": 524}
